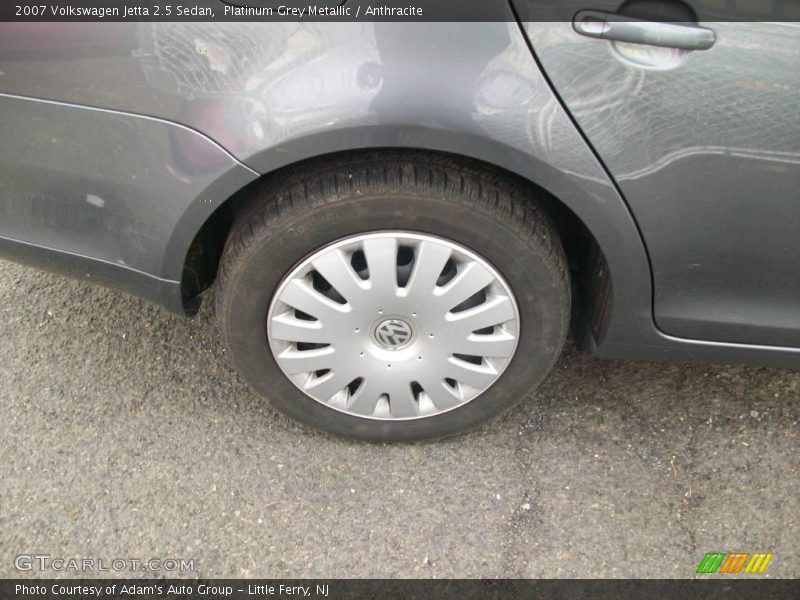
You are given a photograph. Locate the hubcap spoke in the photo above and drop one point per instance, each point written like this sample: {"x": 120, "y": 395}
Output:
{"x": 442, "y": 395}
{"x": 492, "y": 312}
{"x": 290, "y": 328}
{"x": 301, "y": 295}
{"x": 475, "y": 376}
{"x": 402, "y": 402}
{"x": 497, "y": 344}
{"x": 365, "y": 399}
{"x": 381, "y": 256}
{"x": 329, "y": 384}
{"x": 335, "y": 267}
{"x": 393, "y": 326}
{"x": 296, "y": 361}
{"x": 429, "y": 262}
{"x": 471, "y": 280}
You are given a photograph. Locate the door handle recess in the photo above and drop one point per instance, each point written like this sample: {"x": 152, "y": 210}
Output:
{"x": 610, "y": 26}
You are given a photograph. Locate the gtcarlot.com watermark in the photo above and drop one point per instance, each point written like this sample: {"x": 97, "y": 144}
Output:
{"x": 58, "y": 564}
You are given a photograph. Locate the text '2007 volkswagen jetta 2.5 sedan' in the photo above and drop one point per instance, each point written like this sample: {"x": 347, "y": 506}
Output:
{"x": 404, "y": 219}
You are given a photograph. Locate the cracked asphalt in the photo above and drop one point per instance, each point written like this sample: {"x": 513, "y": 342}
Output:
{"x": 127, "y": 433}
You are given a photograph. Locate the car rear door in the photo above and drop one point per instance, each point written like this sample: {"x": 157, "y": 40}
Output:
{"x": 705, "y": 146}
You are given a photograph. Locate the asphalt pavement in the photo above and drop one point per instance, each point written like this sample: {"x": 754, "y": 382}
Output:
{"x": 127, "y": 433}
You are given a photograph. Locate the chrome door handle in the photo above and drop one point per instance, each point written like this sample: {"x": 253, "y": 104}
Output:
{"x": 609, "y": 26}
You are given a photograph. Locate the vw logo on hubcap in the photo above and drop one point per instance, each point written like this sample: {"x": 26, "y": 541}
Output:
{"x": 393, "y": 333}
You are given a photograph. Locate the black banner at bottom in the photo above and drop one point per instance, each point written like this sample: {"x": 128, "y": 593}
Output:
{"x": 385, "y": 589}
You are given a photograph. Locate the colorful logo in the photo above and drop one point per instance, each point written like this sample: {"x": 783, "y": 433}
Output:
{"x": 734, "y": 562}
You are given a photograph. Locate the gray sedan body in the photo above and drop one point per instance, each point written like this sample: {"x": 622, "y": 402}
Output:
{"x": 123, "y": 147}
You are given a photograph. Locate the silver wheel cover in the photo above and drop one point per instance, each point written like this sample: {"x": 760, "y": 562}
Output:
{"x": 393, "y": 325}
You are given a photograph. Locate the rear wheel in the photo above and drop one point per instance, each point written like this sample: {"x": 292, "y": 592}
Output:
{"x": 394, "y": 296}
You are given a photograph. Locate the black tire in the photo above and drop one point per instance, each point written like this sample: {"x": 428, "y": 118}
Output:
{"x": 308, "y": 207}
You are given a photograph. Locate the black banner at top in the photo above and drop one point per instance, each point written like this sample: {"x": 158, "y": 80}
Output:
{"x": 387, "y": 10}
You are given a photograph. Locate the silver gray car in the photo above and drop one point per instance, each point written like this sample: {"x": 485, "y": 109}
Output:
{"x": 404, "y": 220}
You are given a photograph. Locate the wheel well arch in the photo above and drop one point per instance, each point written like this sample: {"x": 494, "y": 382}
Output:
{"x": 592, "y": 285}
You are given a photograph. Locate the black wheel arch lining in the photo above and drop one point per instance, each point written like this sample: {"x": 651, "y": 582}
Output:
{"x": 601, "y": 240}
